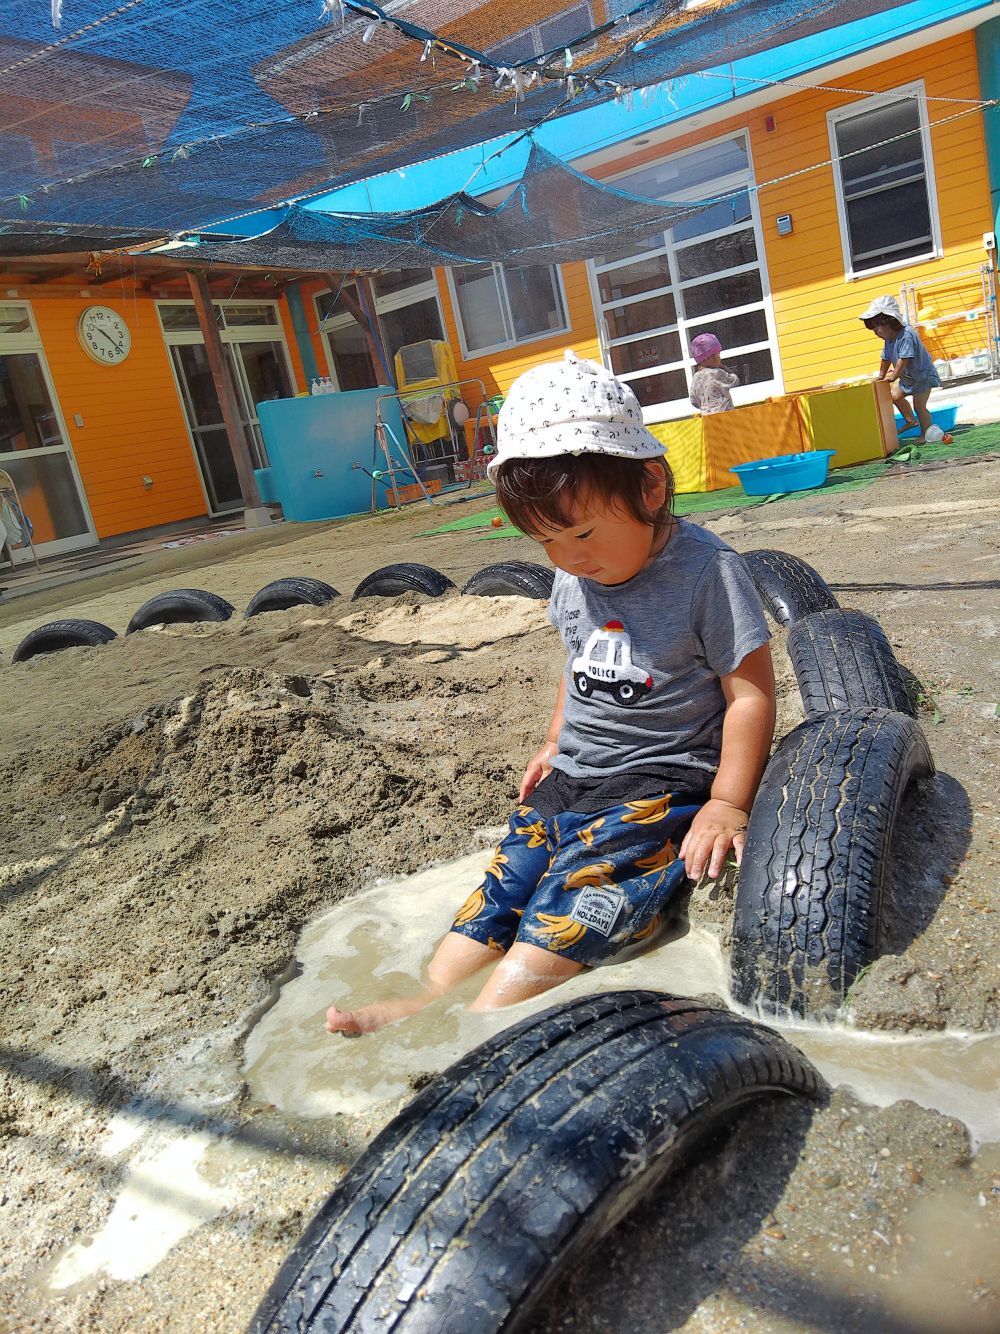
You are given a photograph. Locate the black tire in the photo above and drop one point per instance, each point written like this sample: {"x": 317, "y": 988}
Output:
{"x": 518, "y": 577}
{"x": 583, "y": 685}
{"x": 403, "y": 577}
{"x": 57, "y": 635}
{"x": 809, "y": 904}
{"x": 181, "y": 606}
{"x": 486, "y": 1190}
{"x": 842, "y": 660}
{"x": 788, "y": 587}
{"x": 295, "y": 591}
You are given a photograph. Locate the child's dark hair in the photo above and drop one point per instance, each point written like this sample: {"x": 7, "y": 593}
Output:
{"x": 891, "y": 320}
{"x": 537, "y": 494}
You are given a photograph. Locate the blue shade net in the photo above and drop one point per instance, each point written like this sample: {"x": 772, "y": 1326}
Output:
{"x": 552, "y": 215}
{"x": 158, "y": 117}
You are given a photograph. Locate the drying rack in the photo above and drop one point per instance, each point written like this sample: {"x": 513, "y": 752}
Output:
{"x": 400, "y": 472}
{"x": 970, "y": 310}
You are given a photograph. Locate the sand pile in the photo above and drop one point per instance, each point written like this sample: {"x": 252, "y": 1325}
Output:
{"x": 177, "y": 805}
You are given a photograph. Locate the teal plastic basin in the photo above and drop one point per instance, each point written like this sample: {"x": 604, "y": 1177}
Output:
{"x": 785, "y": 472}
{"x": 945, "y": 417}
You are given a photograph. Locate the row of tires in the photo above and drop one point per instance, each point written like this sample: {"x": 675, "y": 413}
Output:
{"x": 191, "y": 605}
{"x": 486, "y": 1191}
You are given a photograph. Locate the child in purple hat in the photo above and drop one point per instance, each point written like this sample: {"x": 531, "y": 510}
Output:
{"x": 711, "y": 382}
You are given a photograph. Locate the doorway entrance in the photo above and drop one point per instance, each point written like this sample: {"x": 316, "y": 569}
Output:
{"x": 34, "y": 448}
{"x": 254, "y": 346}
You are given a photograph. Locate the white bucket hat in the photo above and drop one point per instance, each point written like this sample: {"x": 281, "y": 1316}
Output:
{"x": 571, "y": 407}
{"x": 883, "y": 305}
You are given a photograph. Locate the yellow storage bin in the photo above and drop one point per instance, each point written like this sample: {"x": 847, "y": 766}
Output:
{"x": 854, "y": 419}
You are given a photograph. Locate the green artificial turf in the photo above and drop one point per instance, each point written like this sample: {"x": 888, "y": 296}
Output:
{"x": 968, "y": 442}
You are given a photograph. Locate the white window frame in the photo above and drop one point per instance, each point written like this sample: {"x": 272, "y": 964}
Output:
{"x": 406, "y": 296}
{"x": 469, "y": 354}
{"x": 911, "y": 90}
{"x": 330, "y": 324}
{"x": 742, "y": 394}
{"x": 31, "y": 342}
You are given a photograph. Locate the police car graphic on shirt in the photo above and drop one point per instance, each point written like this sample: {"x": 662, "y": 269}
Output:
{"x": 606, "y": 664}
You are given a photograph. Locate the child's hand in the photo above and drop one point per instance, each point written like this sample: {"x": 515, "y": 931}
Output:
{"x": 716, "y": 828}
{"x": 539, "y": 767}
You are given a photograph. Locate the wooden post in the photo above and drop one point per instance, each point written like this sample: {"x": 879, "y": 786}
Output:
{"x": 255, "y": 514}
{"x": 376, "y": 348}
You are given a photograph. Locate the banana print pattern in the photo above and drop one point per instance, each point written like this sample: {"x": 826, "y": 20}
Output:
{"x": 561, "y": 931}
{"x": 600, "y": 873}
{"x": 535, "y": 834}
{"x": 647, "y": 930}
{"x": 586, "y": 836}
{"x": 649, "y": 811}
{"x": 537, "y": 884}
{"x": 496, "y": 866}
{"x": 471, "y": 908}
{"x": 659, "y": 860}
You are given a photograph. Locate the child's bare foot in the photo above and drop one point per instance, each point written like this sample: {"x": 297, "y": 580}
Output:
{"x": 370, "y": 1018}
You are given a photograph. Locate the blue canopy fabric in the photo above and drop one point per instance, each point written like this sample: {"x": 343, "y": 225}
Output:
{"x": 165, "y": 116}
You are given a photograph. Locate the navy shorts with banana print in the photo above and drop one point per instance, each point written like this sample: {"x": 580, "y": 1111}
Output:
{"x": 582, "y": 886}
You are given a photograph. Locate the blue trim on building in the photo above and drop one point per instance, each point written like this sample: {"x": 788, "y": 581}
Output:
{"x": 300, "y": 326}
{"x": 988, "y": 56}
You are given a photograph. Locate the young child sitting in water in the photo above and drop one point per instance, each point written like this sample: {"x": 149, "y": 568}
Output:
{"x": 664, "y": 714}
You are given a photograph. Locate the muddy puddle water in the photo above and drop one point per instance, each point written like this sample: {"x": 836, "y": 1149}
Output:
{"x": 376, "y": 945}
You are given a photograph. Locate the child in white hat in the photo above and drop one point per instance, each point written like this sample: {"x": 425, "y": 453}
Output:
{"x": 663, "y": 716}
{"x": 906, "y": 363}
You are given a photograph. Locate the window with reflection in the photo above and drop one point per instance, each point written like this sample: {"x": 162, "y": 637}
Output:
{"x": 704, "y": 274}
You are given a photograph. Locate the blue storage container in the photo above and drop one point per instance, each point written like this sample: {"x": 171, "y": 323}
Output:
{"x": 313, "y": 442}
{"x": 785, "y": 472}
{"x": 945, "y": 417}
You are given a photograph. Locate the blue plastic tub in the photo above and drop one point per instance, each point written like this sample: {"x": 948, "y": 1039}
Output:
{"x": 785, "y": 472}
{"x": 945, "y": 417}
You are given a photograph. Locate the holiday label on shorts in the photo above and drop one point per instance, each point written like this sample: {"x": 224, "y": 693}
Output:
{"x": 598, "y": 908}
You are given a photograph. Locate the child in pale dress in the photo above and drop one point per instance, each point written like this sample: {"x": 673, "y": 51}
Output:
{"x": 711, "y": 382}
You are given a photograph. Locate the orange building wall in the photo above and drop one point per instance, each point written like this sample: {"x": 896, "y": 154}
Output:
{"x": 132, "y": 419}
{"x": 308, "y": 290}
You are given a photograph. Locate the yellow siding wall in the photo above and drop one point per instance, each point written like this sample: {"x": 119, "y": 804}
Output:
{"x": 820, "y": 338}
{"x": 819, "y": 334}
{"x": 132, "y": 419}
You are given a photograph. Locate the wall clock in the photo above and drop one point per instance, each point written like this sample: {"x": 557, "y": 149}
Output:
{"x": 104, "y": 335}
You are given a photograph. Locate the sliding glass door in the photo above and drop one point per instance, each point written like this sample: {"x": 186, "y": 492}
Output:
{"x": 34, "y": 449}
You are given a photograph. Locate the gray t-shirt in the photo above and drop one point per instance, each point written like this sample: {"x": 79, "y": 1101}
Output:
{"x": 645, "y": 658}
{"x": 921, "y": 373}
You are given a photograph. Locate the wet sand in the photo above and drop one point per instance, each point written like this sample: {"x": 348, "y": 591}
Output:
{"x": 180, "y": 804}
